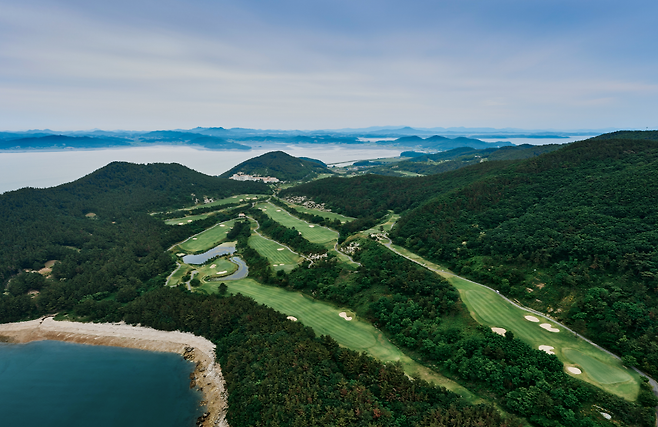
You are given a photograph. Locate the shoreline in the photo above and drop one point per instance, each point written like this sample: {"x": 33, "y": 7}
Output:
{"x": 207, "y": 376}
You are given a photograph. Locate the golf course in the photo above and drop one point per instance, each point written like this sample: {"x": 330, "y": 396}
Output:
{"x": 489, "y": 308}
{"x": 311, "y": 232}
{"x": 326, "y": 319}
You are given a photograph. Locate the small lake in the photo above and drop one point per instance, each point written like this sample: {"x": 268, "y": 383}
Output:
{"x": 199, "y": 259}
{"x": 58, "y": 384}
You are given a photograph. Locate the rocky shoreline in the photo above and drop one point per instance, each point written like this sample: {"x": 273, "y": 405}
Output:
{"x": 207, "y": 376}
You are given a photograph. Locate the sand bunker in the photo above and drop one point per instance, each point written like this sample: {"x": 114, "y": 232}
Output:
{"x": 222, "y": 272}
{"x": 606, "y": 415}
{"x": 278, "y": 210}
{"x": 499, "y": 331}
{"x": 311, "y": 226}
{"x": 280, "y": 249}
{"x": 548, "y": 327}
{"x": 547, "y": 348}
{"x": 180, "y": 254}
{"x": 574, "y": 370}
{"x": 294, "y": 319}
{"x": 344, "y": 316}
{"x": 222, "y": 225}
{"x": 531, "y": 319}
{"x": 193, "y": 238}
{"x": 213, "y": 266}
{"x": 180, "y": 223}
{"x": 189, "y": 220}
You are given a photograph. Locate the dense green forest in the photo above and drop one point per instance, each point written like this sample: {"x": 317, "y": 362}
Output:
{"x": 279, "y": 165}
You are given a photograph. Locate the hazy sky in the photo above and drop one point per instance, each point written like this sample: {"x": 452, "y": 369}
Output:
{"x": 307, "y": 64}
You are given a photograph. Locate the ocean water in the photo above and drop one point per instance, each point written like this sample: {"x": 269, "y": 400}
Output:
{"x": 42, "y": 169}
{"x": 57, "y": 384}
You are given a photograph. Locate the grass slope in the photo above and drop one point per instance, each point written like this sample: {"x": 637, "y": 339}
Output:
{"x": 279, "y": 256}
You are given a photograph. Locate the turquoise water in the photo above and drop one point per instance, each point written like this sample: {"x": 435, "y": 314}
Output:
{"x": 56, "y": 384}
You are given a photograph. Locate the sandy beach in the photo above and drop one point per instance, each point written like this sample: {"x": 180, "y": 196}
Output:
{"x": 207, "y": 376}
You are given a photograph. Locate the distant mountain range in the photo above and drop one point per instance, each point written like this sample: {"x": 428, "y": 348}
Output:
{"x": 219, "y": 138}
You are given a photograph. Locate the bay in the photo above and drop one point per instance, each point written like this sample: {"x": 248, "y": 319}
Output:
{"x": 42, "y": 169}
{"x": 58, "y": 384}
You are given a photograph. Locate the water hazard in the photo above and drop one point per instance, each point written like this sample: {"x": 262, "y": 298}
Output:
{"x": 210, "y": 254}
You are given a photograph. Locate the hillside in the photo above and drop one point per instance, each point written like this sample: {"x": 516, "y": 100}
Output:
{"x": 441, "y": 143}
{"x": 571, "y": 232}
{"x": 279, "y": 165}
{"x": 38, "y": 224}
{"x": 429, "y": 164}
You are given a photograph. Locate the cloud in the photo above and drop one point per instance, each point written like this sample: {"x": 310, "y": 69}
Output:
{"x": 294, "y": 64}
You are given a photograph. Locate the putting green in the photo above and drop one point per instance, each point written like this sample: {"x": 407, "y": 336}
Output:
{"x": 207, "y": 239}
{"x": 280, "y": 257}
{"x": 325, "y": 319}
{"x": 491, "y": 309}
{"x": 312, "y": 233}
{"x": 219, "y": 267}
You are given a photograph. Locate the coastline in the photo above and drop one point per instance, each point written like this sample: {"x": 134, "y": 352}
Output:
{"x": 207, "y": 376}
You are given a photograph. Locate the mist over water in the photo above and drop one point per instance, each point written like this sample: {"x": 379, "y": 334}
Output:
{"x": 56, "y": 384}
{"x": 42, "y": 169}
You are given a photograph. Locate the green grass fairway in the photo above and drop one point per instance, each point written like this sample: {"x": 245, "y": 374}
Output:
{"x": 276, "y": 253}
{"x": 233, "y": 199}
{"x": 324, "y": 319}
{"x": 491, "y": 309}
{"x": 329, "y": 215}
{"x": 184, "y": 220}
{"x": 387, "y": 224}
{"x": 312, "y": 233}
{"x": 207, "y": 239}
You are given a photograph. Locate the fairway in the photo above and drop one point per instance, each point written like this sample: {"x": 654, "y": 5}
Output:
{"x": 329, "y": 215}
{"x": 312, "y": 233}
{"x": 233, "y": 199}
{"x": 280, "y": 257}
{"x": 177, "y": 276}
{"x": 186, "y": 219}
{"x": 324, "y": 318}
{"x": 491, "y": 309}
{"x": 207, "y": 239}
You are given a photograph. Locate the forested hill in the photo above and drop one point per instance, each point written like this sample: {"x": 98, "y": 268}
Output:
{"x": 573, "y": 232}
{"x": 279, "y": 165}
{"x": 38, "y": 224}
{"x": 429, "y": 164}
{"x": 372, "y": 194}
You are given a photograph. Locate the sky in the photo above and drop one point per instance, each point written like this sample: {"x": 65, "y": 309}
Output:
{"x": 316, "y": 64}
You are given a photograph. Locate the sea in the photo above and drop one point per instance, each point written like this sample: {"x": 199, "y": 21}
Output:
{"x": 41, "y": 169}
{"x": 58, "y": 384}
